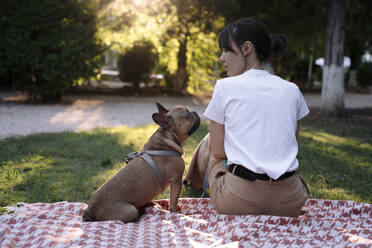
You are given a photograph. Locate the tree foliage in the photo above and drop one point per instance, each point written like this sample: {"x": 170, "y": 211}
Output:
{"x": 190, "y": 19}
{"x": 185, "y": 33}
{"x": 114, "y": 18}
{"x": 45, "y": 45}
{"x": 358, "y": 37}
{"x": 301, "y": 22}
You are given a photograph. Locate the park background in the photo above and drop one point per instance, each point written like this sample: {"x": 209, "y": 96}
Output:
{"x": 54, "y": 52}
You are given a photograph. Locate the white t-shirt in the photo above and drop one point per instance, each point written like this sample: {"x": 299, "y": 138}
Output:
{"x": 260, "y": 113}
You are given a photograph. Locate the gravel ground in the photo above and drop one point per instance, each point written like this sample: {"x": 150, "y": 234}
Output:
{"x": 87, "y": 112}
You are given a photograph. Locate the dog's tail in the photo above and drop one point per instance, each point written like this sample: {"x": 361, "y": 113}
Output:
{"x": 87, "y": 216}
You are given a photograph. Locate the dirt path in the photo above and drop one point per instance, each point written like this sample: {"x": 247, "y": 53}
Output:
{"x": 87, "y": 112}
{"x": 84, "y": 113}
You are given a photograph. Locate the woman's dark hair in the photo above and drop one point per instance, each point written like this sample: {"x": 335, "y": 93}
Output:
{"x": 248, "y": 29}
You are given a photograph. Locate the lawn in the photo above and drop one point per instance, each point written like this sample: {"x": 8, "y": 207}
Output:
{"x": 335, "y": 159}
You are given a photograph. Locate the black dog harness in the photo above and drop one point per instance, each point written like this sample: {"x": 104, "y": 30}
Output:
{"x": 145, "y": 155}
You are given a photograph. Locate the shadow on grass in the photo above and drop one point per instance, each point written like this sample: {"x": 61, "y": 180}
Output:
{"x": 357, "y": 125}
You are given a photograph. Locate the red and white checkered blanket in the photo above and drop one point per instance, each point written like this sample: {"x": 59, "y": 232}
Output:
{"x": 324, "y": 223}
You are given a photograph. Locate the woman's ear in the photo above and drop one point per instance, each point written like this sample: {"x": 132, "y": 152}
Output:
{"x": 247, "y": 48}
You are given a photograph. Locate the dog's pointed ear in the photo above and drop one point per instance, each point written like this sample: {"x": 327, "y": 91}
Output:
{"x": 161, "y": 108}
{"x": 161, "y": 120}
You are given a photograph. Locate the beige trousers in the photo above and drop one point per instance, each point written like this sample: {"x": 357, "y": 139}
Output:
{"x": 231, "y": 194}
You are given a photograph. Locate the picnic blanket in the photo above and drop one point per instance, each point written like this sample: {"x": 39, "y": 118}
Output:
{"x": 324, "y": 223}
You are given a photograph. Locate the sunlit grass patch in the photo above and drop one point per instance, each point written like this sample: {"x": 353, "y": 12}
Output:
{"x": 335, "y": 160}
{"x": 70, "y": 166}
{"x": 54, "y": 167}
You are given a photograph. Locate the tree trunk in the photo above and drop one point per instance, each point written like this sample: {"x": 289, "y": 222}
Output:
{"x": 333, "y": 71}
{"x": 352, "y": 83}
{"x": 310, "y": 72}
{"x": 181, "y": 77}
{"x": 355, "y": 60}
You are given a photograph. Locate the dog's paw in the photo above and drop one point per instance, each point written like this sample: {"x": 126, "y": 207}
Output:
{"x": 175, "y": 209}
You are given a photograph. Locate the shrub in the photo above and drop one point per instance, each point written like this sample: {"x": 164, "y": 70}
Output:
{"x": 137, "y": 63}
{"x": 47, "y": 45}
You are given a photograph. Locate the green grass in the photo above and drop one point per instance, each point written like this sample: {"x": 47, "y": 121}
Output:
{"x": 335, "y": 159}
{"x": 70, "y": 166}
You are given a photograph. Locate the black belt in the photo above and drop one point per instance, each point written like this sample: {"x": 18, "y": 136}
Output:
{"x": 243, "y": 172}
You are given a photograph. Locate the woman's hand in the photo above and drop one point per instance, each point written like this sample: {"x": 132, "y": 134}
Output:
{"x": 217, "y": 136}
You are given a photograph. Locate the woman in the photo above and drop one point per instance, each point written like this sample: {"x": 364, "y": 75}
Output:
{"x": 254, "y": 124}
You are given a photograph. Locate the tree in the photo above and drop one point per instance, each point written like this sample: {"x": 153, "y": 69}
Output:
{"x": 332, "y": 96}
{"x": 299, "y": 21}
{"x": 191, "y": 17}
{"x": 46, "y": 46}
{"x": 182, "y": 31}
{"x": 114, "y": 17}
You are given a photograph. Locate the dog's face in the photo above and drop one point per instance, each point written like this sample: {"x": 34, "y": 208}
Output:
{"x": 180, "y": 119}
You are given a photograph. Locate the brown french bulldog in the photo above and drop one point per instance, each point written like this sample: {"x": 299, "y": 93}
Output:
{"x": 133, "y": 188}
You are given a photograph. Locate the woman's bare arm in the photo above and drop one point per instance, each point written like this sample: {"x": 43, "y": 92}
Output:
{"x": 298, "y": 129}
{"x": 217, "y": 136}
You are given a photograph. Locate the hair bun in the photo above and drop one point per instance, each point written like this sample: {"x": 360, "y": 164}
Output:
{"x": 278, "y": 44}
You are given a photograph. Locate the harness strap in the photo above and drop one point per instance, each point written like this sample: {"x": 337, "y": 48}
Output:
{"x": 154, "y": 168}
{"x": 145, "y": 156}
{"x": 163, "y": 153}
